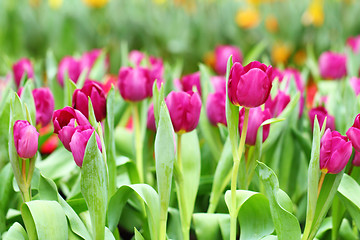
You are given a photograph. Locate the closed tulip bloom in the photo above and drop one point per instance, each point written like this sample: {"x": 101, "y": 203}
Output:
{"x": 44, "y": 104}
{"x": 25, "y": 139}
{"x": 332, "y": 65}
{"x": 222, "y": 54}
{"x": 277, "y": 74}
{"x": 356, "y": 160}
{"x": 184, "y": 109}
{"x": 278, "y": 104}
{"x": 321, "y": 114}
{"x": 249, "y": 86}
{"x": 21, "y": 67}
{"x": 156, "y": 65}
{"x": 354, "y": 43}
{"x": 80, "y": 100}
{"x": 335, "y": 151}
{"x": 190, "y": 81}
{"x": 292, "y": 73}
{"x": 353, "y": 133}
{"x": 219, "y": 83}
{"x": 355, "y": 83}
{"x": 215, "y": 108}
{"x": 135, "y": 84}
{"x": 256, "y": 117}
{"x": 79, "y": 141}
{"x": 150, "y": 123}
{"x": 70, "y": 66}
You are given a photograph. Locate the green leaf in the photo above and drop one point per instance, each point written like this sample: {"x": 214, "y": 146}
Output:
{"x": 158, "y": 98}
{"x": 28, "y": 99}
{"x": 254, "y": 215}
{"x": 38, "y": 215}
{"x": 98, "y": 70}
{"x": 94, "y": 186}
{"x": 138, "y": 235}
{"x": 16, "y": 232}
{"x": 69, "y": 88}
{"x": 255, "y": 52}
{"x": 286, "y": 224}
{"x": 207, "y": 225}
{"x": 92, "y": 118}
{"x": 50, "y": 65}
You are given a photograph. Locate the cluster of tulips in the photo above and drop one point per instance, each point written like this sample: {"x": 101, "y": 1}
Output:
{"x": 242, "y": 101}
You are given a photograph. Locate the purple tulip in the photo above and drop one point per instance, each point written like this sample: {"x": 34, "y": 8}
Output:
{"x": 80, "y": 100}
{"x": 70, "y": 66}
{"x": 135, "y": 84}
{"x": 184, "y": 109}
{"x": 190, "y": 81}
{"x": 278, "y": 104}
{"x": 21, "y": 67}
{"x": 356, "y": 160}
{"x": 355, "y": 83}
{"x": 335, "y": 151}
{"x": 353, "y": 133}
{"x": 222, "y": 54}
{"x": 44, "y": 104}
{"x": 65, "y": 121}
{"x": 249, "y": 86}
{"x": 256, "y": 117}
{"x": 321, "y": 113}
{"x": 25, "y": 139}
{"x": 219, "y": 83}
{"x": 150, "y": 123}
{"x": 332, "y": 65}
{"x": 215, "y": 108}
{"x": 354, "y": 43}
{"x": 79, "y": 141}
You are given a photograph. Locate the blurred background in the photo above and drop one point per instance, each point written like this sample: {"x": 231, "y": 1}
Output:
{"x": 284, "y": 31}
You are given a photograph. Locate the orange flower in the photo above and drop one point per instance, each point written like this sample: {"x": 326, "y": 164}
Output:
{"x": 271, "y": 24}
{"x": 209, "y": 59}
{"x": 247, "y": 18}
{"x": 95, "y": 3}
{"x": 280, "y": 53}
{"x": 300, "y": 57}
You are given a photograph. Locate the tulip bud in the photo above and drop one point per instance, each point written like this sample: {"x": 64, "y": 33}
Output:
{"x": 335, "y": 151}
{"x": 21, "y": 67}
{"x": 354, "y": 43}
{"x": 222, "y": 54}
{"x": 25, "y": 139}
{"x": 355, "y": 83}
{"x": 44, "y": 104}
{"x": 249, "y": 86}
{"x": 184, "y": 109}
{"x": 321, "y": 113}
{"x": 79, "y": 141}
{"x": 278, "y": 104}
{"x": 190, "y": 81}
{"x": 353, "y": 133}
{"x": 256, "y": 117}
{"x": 71, "y": 67}
{"x": 135, "y": 84}
{"x": 150, "y": 123}
{"x": 215, "y": 108}
{"x": 80, "y": 100}
{"x": 332, "y": 65}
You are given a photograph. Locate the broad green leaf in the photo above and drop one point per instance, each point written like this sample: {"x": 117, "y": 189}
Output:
{"x": 174, "y": 224}
{"x": 138, "y": 235}
{"x": 69, "y": 89}
{"x": 286, "y": 224}
{"x": 92, "y": 118}
{"x": 207, "y": 225}
{"x": 38, "y": 215}
{"x": 15, "y": 232}
{"x": 158, "y": 98}
{"x": 94, "y": 186}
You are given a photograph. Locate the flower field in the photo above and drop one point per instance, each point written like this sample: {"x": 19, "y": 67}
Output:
{"x": 179, "y": 119}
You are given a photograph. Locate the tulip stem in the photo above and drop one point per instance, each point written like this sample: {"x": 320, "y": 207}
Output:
{"x": 233, "y": 208}
{"x": 23, "y": 169}
{"x": 138, "y": 144}
{"x": 321, "y": 181}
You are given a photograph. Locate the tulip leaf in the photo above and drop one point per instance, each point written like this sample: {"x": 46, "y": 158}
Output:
{"x": 286, "y": 224}
{"x": 28, "y": 100}
{"x": 16, "y": 232}
{"x": 158, "y": 98}
{"x": 254, "y": 215}
{"x": 82, "y": 78}
{"x": 98, "y": 70}
{"x": 164, "y": 160}
{"x": 92, "y": 118}
{"x": 207, "y": 225}
{"x": 94, "y": 186}
{"x": 38, "y": 214}
{"x": 69, "y": 89}
{"x": 149, "y": 197}
{"x": 138, "y": 235}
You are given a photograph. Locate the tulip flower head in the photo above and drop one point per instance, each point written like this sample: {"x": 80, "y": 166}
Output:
{"x": 70, "y": 66}
{"x": 321, "y": 114}
{"x": 249, "y": 86}
{"x": 354, "y": 43}
{"x": 355, "y": 83}
{"x": 222, "y": 54}
{"x": 21, "y": 67}
{"x": 353, "y": 133}
{"x": 88, "y": 60}
{"x": 335, "y": 152}
{"x": 80, "y": 100}
{"x": 190, "y": 81}
{"x": 184, "y": 109}
{"x": 278, "y": 104}
{"x": 25, "y": 139}
{"x": 219, "y": 83}
{"x": 215, "y": 108}
{"x": 256, "y": 117}
{"x": 44, "y": 104}
{"x": 332, "y": 65}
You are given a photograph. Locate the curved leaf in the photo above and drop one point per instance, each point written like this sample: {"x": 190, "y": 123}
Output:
{"x": 207, "y": 225}
{"x": 16, "y": 232}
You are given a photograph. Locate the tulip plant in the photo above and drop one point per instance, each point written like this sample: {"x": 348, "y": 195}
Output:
{"x": 239, "y": 150}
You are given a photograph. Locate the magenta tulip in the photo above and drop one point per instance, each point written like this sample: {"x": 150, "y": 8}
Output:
{"x": 278, "y": 104}
{"x": 354, "y": 43}
{"x": 184, "y": 109}
{"x": 249, "y": 86}
{"x": 80, "y": 100}
{"x": 353, "y": 133}
{"x": 332, "y": 65}
{"x": 222, "y": 54}
{"x": 321, "y": 113}
{"x": 355, "y": 83}
{"x": 292, "y": 73}
{"x": 135, "y": 84}
{"x": 335, "y": 151}
{"x": 150, "y": 123}
{"x": 44, "y": 104}
{"x": 277, "y": 74}
{"x": 88, "y": 60}
{"x": 190, "y": 81}
{"x": 356, "y": 160}
{"x": 256, "y": 117}
{"x": 219, "y": 83}
{"x": 70, "y": 66}
{"x": 21, "y": 67}
{"x": 215, "y": 108}
{"x": 79, "y": 141}
{"x": 25, "y": 139}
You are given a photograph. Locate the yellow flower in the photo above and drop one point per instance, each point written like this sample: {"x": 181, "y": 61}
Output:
{"x": 247, "y": 18}
{"x": 55, "y": 4}
{"x": 159, "y": 2}
{"x": 271, "y": 24}
{"x": 280, "y": 53}
{"x": 314, "y": 14}
{"x": 95, "y": 3}
{"x": 300, "y": 57}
